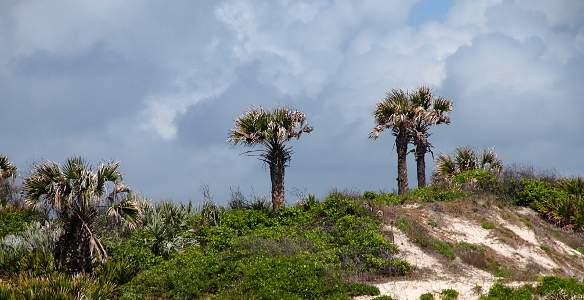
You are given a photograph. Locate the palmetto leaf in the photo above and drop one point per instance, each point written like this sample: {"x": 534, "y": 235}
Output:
{"x": 75, "y": 192}
{"x": 7, "y": 169}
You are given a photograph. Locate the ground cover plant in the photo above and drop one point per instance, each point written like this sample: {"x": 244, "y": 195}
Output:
{"x": 308, "y": 251}
{"x": 549, "y": 287}
{"x": 327, "y": 249}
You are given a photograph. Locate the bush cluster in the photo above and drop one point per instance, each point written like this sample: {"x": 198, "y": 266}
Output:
{"x": 306, "y": 251}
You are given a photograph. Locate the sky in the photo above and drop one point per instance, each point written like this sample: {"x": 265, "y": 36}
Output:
{"x": 157, "y": 85}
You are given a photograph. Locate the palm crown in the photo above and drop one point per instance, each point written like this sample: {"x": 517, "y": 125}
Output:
{"x": 465, "y": 159}
{"x": 77, "y": 193}
{"x": 7, "y": 169}
{"x": 260, "y": 126}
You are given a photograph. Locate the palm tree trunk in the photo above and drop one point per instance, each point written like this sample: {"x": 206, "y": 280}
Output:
{"x": 277, "y": 168}
{"x": 421, "y": 151}
{"x": 401, "y": 143}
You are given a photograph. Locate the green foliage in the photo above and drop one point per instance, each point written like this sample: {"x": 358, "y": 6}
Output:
{"x": 302, "y": 252}
{"x": 384, "y": 297}
{"x": 427, "y": 296}
{"x": 549, "y": 284}
{"x": 488, "y": 225}
{"x": 116, "y": 272}
{"x": 378, "y": 265}
{"x": 434, "y": 194}
{"x": 14, "y": 220}
{"x": 533, "y": 192}
{"x": 445, "y": 248}
{"x": 403, "y": 224}
{"x": 563, "y": 203}
{"x": 370, "y": 195}
{"x": 448, "y": 294}
{"x": 548, "y": 287}
{"x": 478, "y": 179}
{"x": 500, "y": 291}
{"x": 135, "y": 252}
{"x": 55, "y": 286}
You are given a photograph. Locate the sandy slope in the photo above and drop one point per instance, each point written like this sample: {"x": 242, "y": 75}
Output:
{"x": 523, "y": 247}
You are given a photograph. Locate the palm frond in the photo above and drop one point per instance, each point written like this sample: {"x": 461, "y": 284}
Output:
{"x": 445, "y": 166}
{"x": 7, "y": 168}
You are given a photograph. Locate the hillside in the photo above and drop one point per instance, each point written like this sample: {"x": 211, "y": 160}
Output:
{"x": 470, "y": 244}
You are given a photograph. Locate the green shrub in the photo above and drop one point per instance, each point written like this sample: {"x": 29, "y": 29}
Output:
{"x": 488, "y": 225}
{"x": 549, "y": 284}
{"x": 369, "y": 195}
{"x": 384, "y": 297}
{"x": 359, "y": 235}
{"x": 448, "y": 294}
{"x": 434, "y": 194}
{"x": 427, "y": 296}
{"x": 532, "y": 192}
{"x": 15, "y": 220}
{"x": 444, "y": 248}
{"x": 478, "y": 180}
{"x": 301, "y": 252}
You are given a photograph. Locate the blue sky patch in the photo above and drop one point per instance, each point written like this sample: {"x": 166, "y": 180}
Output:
{"x": 428, "y": 10}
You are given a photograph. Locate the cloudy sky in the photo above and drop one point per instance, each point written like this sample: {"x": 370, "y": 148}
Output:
{"x": 157, "y": 84}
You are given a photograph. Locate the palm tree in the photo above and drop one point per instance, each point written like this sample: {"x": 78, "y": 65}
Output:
{"x": 430, "y": 110}
{"x": 270, "y": 129}
{"x": 7, "y": 171}
{"x": 77, "y": 194}
{"x": 465, "y": 159}
{"x": 397, "y": 113}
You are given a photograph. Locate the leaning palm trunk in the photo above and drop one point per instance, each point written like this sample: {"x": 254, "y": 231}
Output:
{"x": 401, "y": 143}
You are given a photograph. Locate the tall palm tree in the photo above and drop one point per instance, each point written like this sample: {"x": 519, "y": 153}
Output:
{"x": 7, "y": 171}
{"x": 270, "y": 129}
{"x": 77, "y": 194}
{"x": 465, "y": 159}
{"x": 430, "y": 110}
{"x": 397, "y": 113}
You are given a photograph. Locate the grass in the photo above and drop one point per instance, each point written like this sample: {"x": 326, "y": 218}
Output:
{"x": 488, "y": 225}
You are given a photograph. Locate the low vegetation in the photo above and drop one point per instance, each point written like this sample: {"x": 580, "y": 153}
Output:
{"x": 333, "y": 248}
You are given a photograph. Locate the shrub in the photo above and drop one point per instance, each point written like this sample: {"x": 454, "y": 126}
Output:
{"x": 444, "y": 248}
{"x": 302, "y": 252}
{"x": 427, "y": 296}
{"x": 448, "y": 294}
{"x": 434, "y": 194}
{"x": 478, "y": 180}
{"x": 532, "y": 192}
{"x": 384, "y": 297}
{"x": 369, "y": 195}
{"x": 549, "y": 284}
{"x": 15, "y": 220}
{"x": 488, "y": 225}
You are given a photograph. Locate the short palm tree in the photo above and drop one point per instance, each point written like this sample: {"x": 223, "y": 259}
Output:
{"x": 76, "y": 193}
{"x": 465, "y": 159}
{"x": 271, "y": 130}
{"x": 7, "y": 171}
{"x": 397, "y": 113}
{"x": 7, "y": 168}
{"x": 430, "y": 110}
